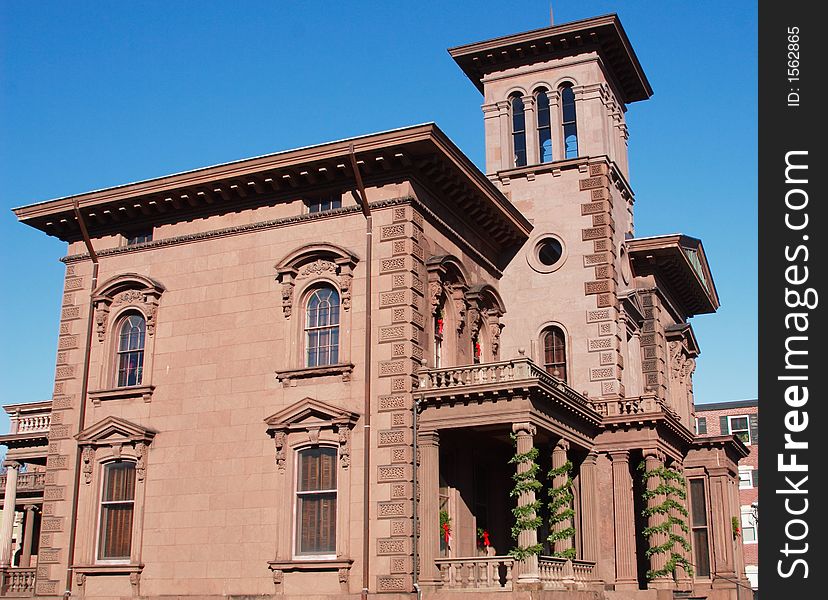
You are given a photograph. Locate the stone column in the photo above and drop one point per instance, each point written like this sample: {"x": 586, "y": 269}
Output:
{"x": 528, "y": 568}
{"x": 559, "y": 458}
{"x": 683, "y": 579}
{"x": 506, "y": 158}
{"x": 28, "y": 534}
{"x": 626, "y": 574}
{"x": 721, "y": 525}
{"x": 9, "y": 501}
{"x": 428, "y": 480}
{"x": 555, "y": 126}
{"x": 589, "y": 507}
{"x": 531, "y": 128}
{"x": 654, "y": 460}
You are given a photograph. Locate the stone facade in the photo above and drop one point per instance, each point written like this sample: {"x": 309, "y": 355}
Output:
{"x": 476, "y": 316}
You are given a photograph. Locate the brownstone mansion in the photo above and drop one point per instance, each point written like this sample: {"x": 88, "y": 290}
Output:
{"x": 366, "y": 368}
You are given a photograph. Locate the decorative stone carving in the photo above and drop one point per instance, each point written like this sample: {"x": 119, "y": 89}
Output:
{"x": 345, "y": 278}
{"x": 80, "y": 579}
{"x": 287, "y": 297}
{"x": 495, "y": 327}
{"x": 278, "y": 579}
{"x": 101, "y": 318}
{"x": 134, "y": 578}
{"x": 279, "y": 440}
{"x": 141, "y": 462}
{"x": 435, "y": 293}
{"x": 317, "y": 268}
{"x": 88, "y": 458}
{"x": 458, "y": 295}
{"x": 343, "y": 575}
{"x": 344, "y": 446}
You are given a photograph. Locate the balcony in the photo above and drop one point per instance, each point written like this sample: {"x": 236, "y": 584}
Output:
{"x": 29, "y": 426}
{"x": 503, "y": 392}
{"x": 497, "y": 573}
{"x": 16, "y": 582}
{"x": 26, "y": 482}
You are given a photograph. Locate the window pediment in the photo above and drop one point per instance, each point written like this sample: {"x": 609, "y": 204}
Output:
{"x": 129, "y": 289}
{"x": 306, "y": 420}
{"x": 313, "y": 261}
{"x": 114, "y": 430}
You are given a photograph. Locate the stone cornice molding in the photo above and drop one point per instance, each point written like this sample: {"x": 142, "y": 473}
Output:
{"x": 114, "y": 430}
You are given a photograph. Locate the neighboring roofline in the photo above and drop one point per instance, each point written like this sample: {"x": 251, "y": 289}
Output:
{"x": 470, "y": 56}
{"x": 726, "y": 405}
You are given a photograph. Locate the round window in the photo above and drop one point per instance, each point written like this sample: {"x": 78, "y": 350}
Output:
{"x": 548, "y": 253}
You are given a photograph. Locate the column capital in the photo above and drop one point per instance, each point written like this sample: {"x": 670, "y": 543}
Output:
{"x": 654, "y": 453}
{"x": 11, "y": 464}
{"x": 524, "y": 428}
{"x": 591, "y": 458}
{"x": 619, "y": 455}
{"x": 562, "y": 444}
{"x": 31, "y": 507}
{"x": 428, "y": 438}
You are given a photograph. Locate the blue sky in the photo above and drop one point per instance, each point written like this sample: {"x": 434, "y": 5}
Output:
{"x": 98, "y": 94}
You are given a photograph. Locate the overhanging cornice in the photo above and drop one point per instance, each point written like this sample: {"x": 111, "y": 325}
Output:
{"x": 602, "y": 34}
{"x": 421, "y": 152}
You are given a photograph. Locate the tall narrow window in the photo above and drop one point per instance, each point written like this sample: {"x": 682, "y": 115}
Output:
{"x": 131, "y": 336}
{"x": 554, "y": 352}
{"x": 518, "y": 131}
{"x": 698, "y": 525}
{"x": 322, "y": 328}
{"x": 117, "y": 508}
{"x": 316, "y": 502}
{"x": 439, "y": 323}
{"x": 544, "y": 126}
{"x": 570, "y": 128}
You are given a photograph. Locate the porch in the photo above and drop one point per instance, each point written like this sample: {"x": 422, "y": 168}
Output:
{"x": 21, "y": 490}
{"x": 473, "y": 422}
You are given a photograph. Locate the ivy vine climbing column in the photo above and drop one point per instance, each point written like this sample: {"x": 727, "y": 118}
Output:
{"x": 679, "y": 515}
{"x": 526, "y": 528}
{"x": 561, "y": 522}
{"x": 657, "y": 521}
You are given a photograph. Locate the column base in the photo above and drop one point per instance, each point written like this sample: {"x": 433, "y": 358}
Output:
{"x": 626, "y": 584}
{"x": 662, "y": 583}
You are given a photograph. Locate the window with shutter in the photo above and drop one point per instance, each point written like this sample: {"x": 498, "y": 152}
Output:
{"x": 316, "y": 502}
{"x": 755, "y": 475}
{"x": 754, "y": 429}
{"x": 701, "y": 425}
{"x": 724, "y": 427}
{"x": 117, "y": 508}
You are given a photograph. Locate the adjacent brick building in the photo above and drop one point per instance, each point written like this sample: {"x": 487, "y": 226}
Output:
{"x": 740, "y": 418}
{"x": 366, "y": 368}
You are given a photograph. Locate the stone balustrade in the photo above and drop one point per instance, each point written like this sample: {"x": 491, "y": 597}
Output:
{"x": 637, "y": 405}
{"x": 562, "y": 573}
{"x": 27, "y": 482}
{"x": 481, "y": 572}
{"x": 493, "y": 374}
{"x": 17, "y": 582}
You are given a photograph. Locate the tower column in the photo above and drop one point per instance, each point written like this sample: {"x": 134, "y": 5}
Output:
{"x": 559, "y": 458}
{"x": 589, "y": 507}
{"x": 653, "y": 461}
{"x": 531, "y": 128}
{"x": 28, "y": 534}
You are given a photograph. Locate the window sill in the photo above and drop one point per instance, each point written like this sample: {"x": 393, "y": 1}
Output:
{"x": 131, "y": 569}
{"x": 122, "y": 393}
{"x": 291, "y": 377}
{"x": 309, "y": 564}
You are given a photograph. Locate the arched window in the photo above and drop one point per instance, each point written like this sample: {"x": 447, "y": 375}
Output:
{"x": 316, "y": 501}
{"x": 439, "y": 325}
{"x": 518, "y": 130}
{"x": 544, "y": 126}
{"x": 322, "y": 328}
{"x": 554, "y": 352}
{"x": 131, "y": 338}
{"x": 570, "y": 128}
{"x": 117, "y": 509}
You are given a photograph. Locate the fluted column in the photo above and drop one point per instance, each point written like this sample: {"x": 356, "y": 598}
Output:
{"x": 589, "y": 506}
{"x": 30, "y": 511}
{"x": 626, "y": 575}
{"x": 428, "y": 480}
{"x": 527, "y": 568}
{"x": 683, "y": 579}
{"x": 653, "y": 461}
{"x": 9, "y": 501}
{"x": 559, "y": 458}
